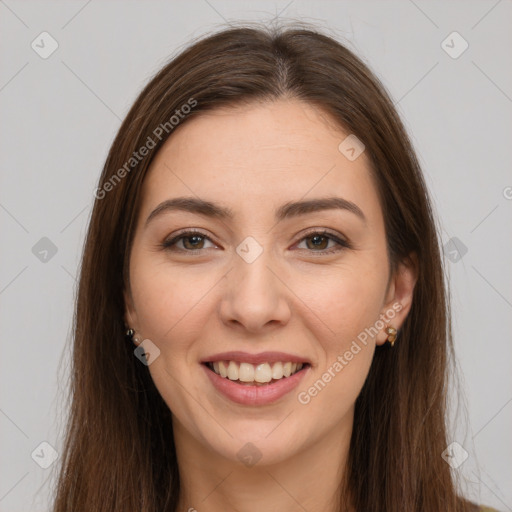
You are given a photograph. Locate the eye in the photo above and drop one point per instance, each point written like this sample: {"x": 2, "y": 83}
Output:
{"x": 321, "y": 239}
{"x": 191, "y": 241}
{"x": 194, "y": 240}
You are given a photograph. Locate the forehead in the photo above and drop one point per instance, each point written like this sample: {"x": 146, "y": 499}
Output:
{"x": 244, "y": 155}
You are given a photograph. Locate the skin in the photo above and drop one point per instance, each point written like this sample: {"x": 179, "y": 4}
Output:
{"x": 253, "y": 159}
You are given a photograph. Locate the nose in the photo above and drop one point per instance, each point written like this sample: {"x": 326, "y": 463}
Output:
{"x": 256, "y": 297}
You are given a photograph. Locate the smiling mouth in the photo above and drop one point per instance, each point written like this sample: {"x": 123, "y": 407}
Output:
{"x": 255, "y": 374}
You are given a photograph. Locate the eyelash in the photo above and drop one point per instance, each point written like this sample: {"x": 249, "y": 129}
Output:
{"x": 167, "y": 244}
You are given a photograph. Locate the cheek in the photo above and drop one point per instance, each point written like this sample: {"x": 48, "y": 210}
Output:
{"x": 348, "y": 302}
{"x": 329, "y": 399}
{"x": 171, "y": 311}
{"x": 167, "y": 300}
{"x": 346, "y": 298}
{"x": 348, "y": 306}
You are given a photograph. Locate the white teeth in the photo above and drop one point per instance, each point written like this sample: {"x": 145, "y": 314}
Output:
{"x": 223, "y": 371}
{"x": 277, "y": 371}
{"x": 245, "y": 372}
{"x": 232, "y": 371}
{"x": 261, "y": 373}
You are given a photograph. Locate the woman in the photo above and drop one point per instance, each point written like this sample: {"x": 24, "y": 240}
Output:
{"x": 261, "y": 321}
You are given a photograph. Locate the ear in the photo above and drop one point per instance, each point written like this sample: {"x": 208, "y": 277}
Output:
{"x": 130, "y": 315}
{"x": 399, "y": 296}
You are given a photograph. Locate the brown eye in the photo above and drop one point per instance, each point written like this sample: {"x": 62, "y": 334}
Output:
{"x": 193, "y": 242}
{"x": 318, "y": 241}
{"x": 190, "y": 241}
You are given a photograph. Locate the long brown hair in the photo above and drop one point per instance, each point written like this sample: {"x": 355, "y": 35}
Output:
{"x": 119, "y": 452}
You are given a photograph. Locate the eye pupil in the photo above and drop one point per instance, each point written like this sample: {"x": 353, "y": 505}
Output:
{"x": 318, "y": 240}
{"x": 197, "y": 239}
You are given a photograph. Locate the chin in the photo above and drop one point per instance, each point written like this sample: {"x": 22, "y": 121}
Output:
{"x": 253, "y": 445}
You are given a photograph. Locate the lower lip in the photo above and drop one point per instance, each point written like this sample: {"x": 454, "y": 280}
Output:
{"x": 254, "y": 395}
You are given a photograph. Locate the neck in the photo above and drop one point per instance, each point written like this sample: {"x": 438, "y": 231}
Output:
{"x": 309, "y": 480}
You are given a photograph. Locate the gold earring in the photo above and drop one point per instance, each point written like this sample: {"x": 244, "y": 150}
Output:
{"x": 133, "y": 336}
{"x": 391, "y": 332}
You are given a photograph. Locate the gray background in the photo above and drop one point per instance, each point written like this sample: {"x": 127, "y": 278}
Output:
{"x": 59, "y": 117}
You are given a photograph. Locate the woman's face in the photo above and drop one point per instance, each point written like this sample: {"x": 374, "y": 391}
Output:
{"x": 262, "y": 288}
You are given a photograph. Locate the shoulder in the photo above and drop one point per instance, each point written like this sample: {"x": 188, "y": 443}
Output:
{"x": 482, "y": 508}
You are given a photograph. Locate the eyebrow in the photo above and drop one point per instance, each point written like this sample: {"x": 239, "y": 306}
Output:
{"x": 286, "y": 211}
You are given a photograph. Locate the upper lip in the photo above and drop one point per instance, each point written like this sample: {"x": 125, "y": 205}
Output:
{"x": 261, "y": 357}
